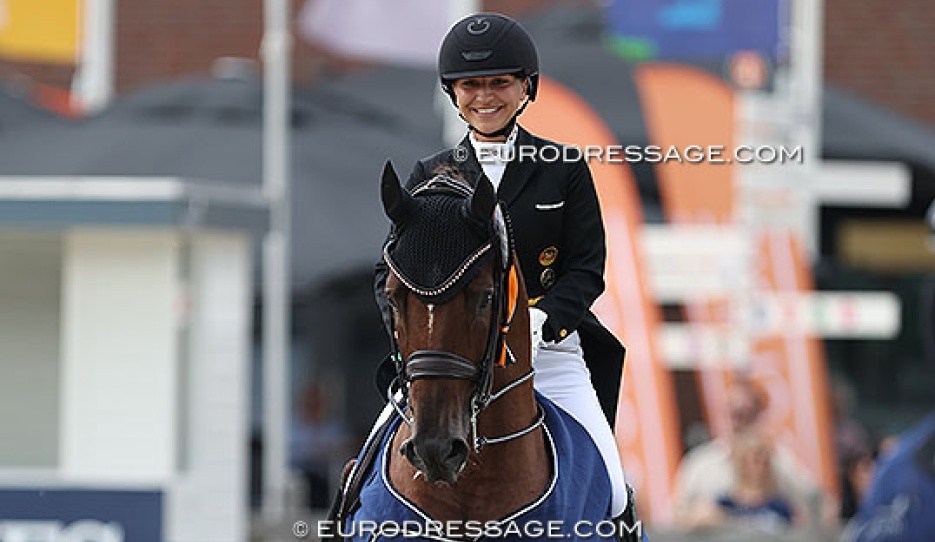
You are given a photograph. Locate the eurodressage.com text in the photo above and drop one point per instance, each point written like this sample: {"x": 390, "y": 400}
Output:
{"x": 639, "y": 154}
{"x": 474, "y": 529}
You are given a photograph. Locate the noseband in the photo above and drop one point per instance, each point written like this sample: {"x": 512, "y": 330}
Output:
{"x": 444, "y": 364}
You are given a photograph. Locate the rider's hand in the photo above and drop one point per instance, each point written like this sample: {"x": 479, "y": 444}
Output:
{"x": 537, "y": 318}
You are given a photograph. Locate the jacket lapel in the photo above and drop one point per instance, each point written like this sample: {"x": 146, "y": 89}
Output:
{"x": 518, "y": 171}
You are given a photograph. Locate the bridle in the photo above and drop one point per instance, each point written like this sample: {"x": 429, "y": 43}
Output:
{"x": 444, "y": 364}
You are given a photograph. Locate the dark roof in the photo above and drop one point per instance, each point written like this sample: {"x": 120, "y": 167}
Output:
{"x": 18, "y": 114}
{"x": 211, "y": 130}
{"x": 858, "y": 129}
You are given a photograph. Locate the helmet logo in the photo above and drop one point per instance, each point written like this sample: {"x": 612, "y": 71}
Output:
{"x": 474, "y": 56}
{"x": 478, "y": 26}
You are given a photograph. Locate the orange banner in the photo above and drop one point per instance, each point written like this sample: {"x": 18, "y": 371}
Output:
{"x": 684, "y": 106}
{"x": 646, "y": 428}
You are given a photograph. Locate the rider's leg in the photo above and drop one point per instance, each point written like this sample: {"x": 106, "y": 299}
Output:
{"x": 629, "y": 527}
{"x": 562, "y": 376}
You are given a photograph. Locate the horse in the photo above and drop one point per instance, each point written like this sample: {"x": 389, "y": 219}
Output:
{"x": 470, "y": 443}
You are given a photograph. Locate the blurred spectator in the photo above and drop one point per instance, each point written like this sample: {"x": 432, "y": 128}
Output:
{"x": 707, "y": 472}
{"x": 319, "y": 445}
{"x": 755, "y": 498}
{"x": 855, "y": 455}
{"x": 900, "y": 504}
{"x": 754, "y": 502}
{"x": 887, "y": 446}
{"x": 857, "y": 469}
{"x": 850, "y": 436}
{"x": 695, "y": 435}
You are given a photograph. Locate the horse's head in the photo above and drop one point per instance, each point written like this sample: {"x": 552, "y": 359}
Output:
{"x": 452, "y": 289}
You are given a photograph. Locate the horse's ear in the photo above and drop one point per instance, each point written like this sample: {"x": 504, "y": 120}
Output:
{"x": 483, "y": 200}
{"x": 396, "y": 201}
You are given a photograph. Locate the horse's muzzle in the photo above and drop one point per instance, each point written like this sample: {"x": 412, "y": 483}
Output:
{"x": 439, "y": 459}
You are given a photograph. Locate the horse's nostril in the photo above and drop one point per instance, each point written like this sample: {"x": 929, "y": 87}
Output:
{"x": 408, "y": 450}
{"x": 458, "y": 454}
{"x": 439, "y": 459}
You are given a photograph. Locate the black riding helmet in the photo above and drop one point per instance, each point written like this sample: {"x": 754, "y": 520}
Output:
{"x": 487, "y": 44}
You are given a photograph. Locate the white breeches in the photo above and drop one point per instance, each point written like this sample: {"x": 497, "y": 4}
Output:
{"x": 562, "y": 376}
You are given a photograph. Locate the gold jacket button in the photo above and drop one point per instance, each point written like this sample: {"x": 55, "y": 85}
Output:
{"x": 563, "y": 333}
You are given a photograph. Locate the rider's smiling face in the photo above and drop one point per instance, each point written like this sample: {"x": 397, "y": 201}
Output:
{"x": 488, "y": 103}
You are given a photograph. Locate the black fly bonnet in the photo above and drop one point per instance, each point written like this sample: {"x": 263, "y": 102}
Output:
{"x": 439, "y": 247}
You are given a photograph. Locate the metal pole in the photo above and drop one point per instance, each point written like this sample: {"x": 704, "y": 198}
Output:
{"x": 807, "y": 40}
{"x": 276, "y": 48}
{"x": 93, "y": 85}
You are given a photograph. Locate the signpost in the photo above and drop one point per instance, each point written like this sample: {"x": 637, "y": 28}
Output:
{"x": 704, "y": 263}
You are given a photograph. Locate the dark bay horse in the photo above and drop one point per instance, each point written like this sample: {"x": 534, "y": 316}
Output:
{"x": 471, "y": 441}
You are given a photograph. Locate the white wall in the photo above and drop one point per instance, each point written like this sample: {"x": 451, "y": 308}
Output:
{"x": 124, "y": 359}
{"x": 120, "y": 293}
{"x": 29, "y": 349}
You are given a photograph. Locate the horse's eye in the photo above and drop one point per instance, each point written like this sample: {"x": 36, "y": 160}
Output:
{"x": 486, "y": 300}
{"x": 391, "y": 300}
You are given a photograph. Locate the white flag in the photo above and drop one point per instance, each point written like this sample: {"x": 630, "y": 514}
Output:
{"x": 395, "y": 31}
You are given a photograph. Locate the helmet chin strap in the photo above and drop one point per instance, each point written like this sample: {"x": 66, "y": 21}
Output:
{"x": 505, "y": 131}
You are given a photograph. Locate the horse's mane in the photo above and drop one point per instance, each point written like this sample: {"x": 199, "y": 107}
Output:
{"x": 451, "y": 171}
